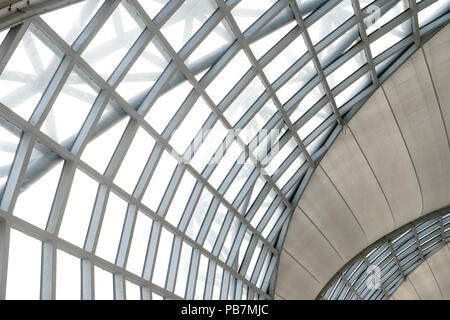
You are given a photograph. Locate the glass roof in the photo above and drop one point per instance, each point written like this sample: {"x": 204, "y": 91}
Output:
{"x": 376, "y": 273}
{"x": 156, "y": 149}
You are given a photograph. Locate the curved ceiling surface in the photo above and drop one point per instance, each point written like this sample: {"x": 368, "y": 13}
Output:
{"x": 388, "y": 168}
{"x": 158, "y": 149}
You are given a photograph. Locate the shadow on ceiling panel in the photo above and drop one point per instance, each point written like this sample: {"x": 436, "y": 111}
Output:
{"x": 380, "y": 140}
{"x": 411, "y": 96}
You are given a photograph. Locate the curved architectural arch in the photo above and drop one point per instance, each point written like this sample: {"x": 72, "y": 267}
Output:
{"x": 379, "y": 270}
{"x": 216, "y": 227}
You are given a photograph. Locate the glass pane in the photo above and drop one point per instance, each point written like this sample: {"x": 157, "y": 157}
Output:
{"x": 216, "y": 225}
{"x": 186, "y": 21}
{"x": 310, "y": 99}
{"x": 391, "y": 38}
{"x": 152, "y": 7}
{"x": 144, "y": 73}
{"x": 229, "y": 240}
{"x": 139, "y": 243}
{"x": 104, "y": 289}
{"x": 28, "y": 72}
{"x": 68, "y": 276}
{"x": 111, "y": 228}
{"x": 239, "y": 181}
{"x": 244, "y": 101}
{"x": 113, "y": 41}
{"x": 181, "y": 198}
{"x": 217, "y": 283}
{"x": 253, "y": 261}
{"x": 258, "y": 121}
{"x": 39, "y": 188}
{"x": 71, "y": 108}
{"x": 330, "y": 21}
{"x": 217, "y": 41}
{"x": 24, "y": 267}
{"x": 162, "y": 258}
{"x": 296, "y": 82}
{"x": 183, "y": 270}
{"x": 77, "y": 214}
{"x": 315, "y": 121}
{"x": 285, "y": 59}
{"x": 159, "y": 181}
{"x": 212, "y": 140}
{"x": 346, "y": 69}
{"x": 167, "y": 105}
{"x": 233, "y": 154}
{"x": 201, "y": 277}
{"x": 352, "y": 90}
{"x": 69, "y": 21}
{"x": 228, "y": 77}
{"x": 134, "y": 162}
{"x": 105, "y": 137}
{"x": 9, "y": 140}
{"x": 184, "y": 135}
{"x": 264, "y": 44}
{"x": 375, "y": 22}
{"x": 433, "y": 12}
{"x": 199, "y": 214}
{"x": 133, "y": 291}
{"x": 247, "y": 11}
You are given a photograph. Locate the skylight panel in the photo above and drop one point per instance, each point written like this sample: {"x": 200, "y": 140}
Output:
{"x": 199, "y": 214}
{"x": 28, "y": 72}
{"x": 212, "y": 47}
{"x": 183, "y": 270}
{"x": 285, "y": 59}
{"x": 183, "y": 24}
{"x": 105, "y": 137}
{"x": 35, "y": 201}
{"x": 339, "y": 47}
{"x": 391, "y": 38}
{"x": 212, "y": 143}
{"x": 159, "y": 181}
{"x": 239, "y": 181}
{"x": 167, "y": 104}
{"x": 133, "y": 292}
{"x": 162, "y": 258}
{"x": 190, "y": 126}
{"x": 24, "y": 267}
{"x": 352, "y": 90}
{"x": 10, "y": 141}
{"x": 77, "y": 214}
{"x": 134, "y": 162}
{"x": 229, "y": 240}
{"x": 233, "y": 154}
{"x": 104, "y": 289}
{"x": 69, "y": 21}
{"x": 309, "y": 100}
{"x": 246, "y": 12}
{"x": 290, "y": 171}
{"x": 152, "y": 7}
{"x": 264, "y": 44}
{"x": 111, "y": 228}
{"x": 63, "y": 122}
{"x": 144, "y": 73}
{"x": 375, "y": 21}
{"x": 244, "y": 101}
{"x": 331, "y": 21}
{"x": 68, "y": 276}
{"x": 433, "y": 12}
{"x": 181, "y": 198}
{"x": 296, "y": 82}
{"x": 346, "y": 69}
{"x": 228, "y": 77}
{"x": 257, "y": 122}
{"x": 113, "y": 41}
{"x": 215, "y": 227}
{"x": 201, "y": 277}
{"x": 139, "y": 243}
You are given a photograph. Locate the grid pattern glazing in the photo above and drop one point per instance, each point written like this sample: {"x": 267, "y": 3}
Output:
{"x": 156, "y": 149}
{"x": 389, "y": 262}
